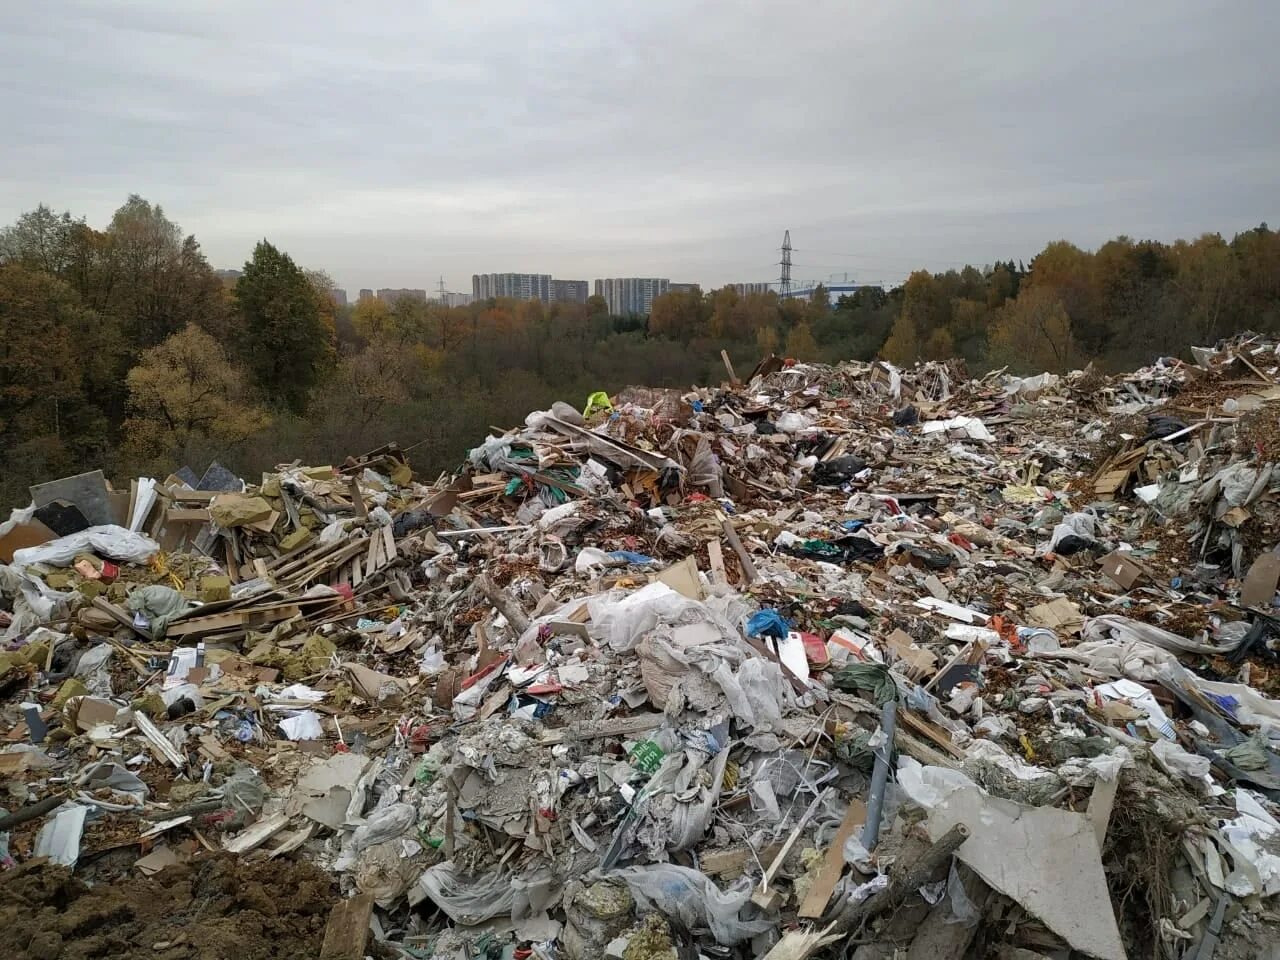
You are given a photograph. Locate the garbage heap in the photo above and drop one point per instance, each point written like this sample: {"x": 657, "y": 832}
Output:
{"x": 837, "y": 661}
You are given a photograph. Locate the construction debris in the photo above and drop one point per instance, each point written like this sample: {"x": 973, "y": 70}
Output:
{"x": 833, "y": 661}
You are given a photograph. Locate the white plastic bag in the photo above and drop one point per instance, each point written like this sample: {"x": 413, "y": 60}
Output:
{"x": 108, "y": 540}
{"x": 693, "y": 899}
{"x": 466, "y": 900}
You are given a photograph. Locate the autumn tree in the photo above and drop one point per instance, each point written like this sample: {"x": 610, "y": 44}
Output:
{"x": 1033, "y": 334}
{"x": 366, "y": 383}
{"x": 677, "y": 315}
{"x": 48, "y": 357}
{"x": 187, "y": 398}
{"x": 159, "y": 280}
{"x": 40, "y": 240}
{"x": 800, "y": 343}
{"x": 285, "y": 342}
{"x": 903, "y": 346}
{"x": 767, "y": 341}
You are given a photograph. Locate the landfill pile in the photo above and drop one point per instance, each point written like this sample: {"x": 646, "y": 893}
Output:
{"x": 846, "y": 661}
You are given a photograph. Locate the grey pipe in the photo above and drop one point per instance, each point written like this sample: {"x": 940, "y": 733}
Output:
{"x": 880, "y": 775}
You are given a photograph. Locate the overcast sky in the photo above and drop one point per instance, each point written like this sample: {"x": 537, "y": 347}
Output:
{"x": 391, "y": 143}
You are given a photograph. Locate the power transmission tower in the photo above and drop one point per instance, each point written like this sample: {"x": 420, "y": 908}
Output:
{"x": 784, "y": 282}
{"x": 442, "y": 290}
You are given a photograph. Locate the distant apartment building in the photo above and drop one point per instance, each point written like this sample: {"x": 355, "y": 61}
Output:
{"x": 339, "y": 296}
{"x": 228, "y": 277}
{"x": 569, "y": 291}
{"x": 631, "y": 295}
{"x": 391, "y": 295}
{"x": 455, "y": 299}
{"x": 683, "y": 287}
{"x": 517, "y": 286}
{"x": 366, "y": 293}
{"x": 746, "y": 288}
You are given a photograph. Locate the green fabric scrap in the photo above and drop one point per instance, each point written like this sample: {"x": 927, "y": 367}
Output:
{"x": 870, "y": 678}
{"x": 1252, "y": 754}
{"x": 159, "y": 604}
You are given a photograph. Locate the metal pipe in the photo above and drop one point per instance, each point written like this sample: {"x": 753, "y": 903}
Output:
{"x": 880, "y": 775}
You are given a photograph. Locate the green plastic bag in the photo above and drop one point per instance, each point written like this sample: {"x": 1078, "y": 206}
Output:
{"x": 597, "y": 402}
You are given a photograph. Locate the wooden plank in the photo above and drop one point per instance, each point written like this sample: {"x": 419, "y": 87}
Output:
{"x": 181, "y": 515}
{"x": 715, "y": 556}
{"x": 815, "y": 904}
{"x": 744, "y": 558}
{"x": 347, "y": 932}
{"x": 388, "y": 545}
{"x": 232, "y": 619}
{"x": 120, "y": 616}
{"x": 187, "y": 495}
{"x": 357, "y": 499}
{"x": 357, "y": 572}
{"x": 728, "y": 365}
{"x": 371, "y": 557}
{"x": 929, "y": 732}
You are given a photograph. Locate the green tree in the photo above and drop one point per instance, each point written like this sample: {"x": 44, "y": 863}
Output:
{"x": 286, "y": 344}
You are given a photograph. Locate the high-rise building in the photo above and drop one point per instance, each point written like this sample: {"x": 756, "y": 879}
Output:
{"x": 517, "y": 286}
{"x": 683, "y": 287}
{"x": 631, "y": 295}
{"x": 366, "y": 293}
{"x": 392, "y": 294}
{"x": 746, "y": 288}
{"x": 339, "y": 296}
{"x": 450, "y": 299}
{"x": 569, "y": 291}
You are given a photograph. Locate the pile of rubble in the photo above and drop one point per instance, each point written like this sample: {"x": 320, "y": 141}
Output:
{"x": 837, "y": 661}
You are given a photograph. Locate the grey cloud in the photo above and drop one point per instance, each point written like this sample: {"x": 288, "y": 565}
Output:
{"x": 394, "y": 142}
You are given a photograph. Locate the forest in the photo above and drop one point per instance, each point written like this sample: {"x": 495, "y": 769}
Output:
{"x": 121, "y": 347}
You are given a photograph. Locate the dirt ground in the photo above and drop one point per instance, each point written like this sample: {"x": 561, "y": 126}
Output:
{"x": 214, "y": 909}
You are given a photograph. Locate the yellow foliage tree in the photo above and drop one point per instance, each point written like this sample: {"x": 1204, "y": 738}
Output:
{"x": 186, "y": 397}
{"x": 940, "y": 345}
{"x": 903, "y": 346}
{"x": 1033, "y": 334}
{"x": 377, "y": 377}
{"x": 767, "y": 341}
{"x": 800, "y": 343}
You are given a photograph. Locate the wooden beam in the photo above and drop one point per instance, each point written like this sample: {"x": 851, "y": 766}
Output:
{"x": 728, "y": 365}
{"x": 815, "y": 903}
{"x": 347, "y": 932}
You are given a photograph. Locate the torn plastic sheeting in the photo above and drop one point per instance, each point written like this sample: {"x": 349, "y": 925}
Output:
{"x": 303, "y": 726}
{"x": 1112, "y": 626}
{"x": 465, "y": 900}
{"x": 621, "y": 620}
{"x": 59, "y": 838}
{"x": 115, "y": 543}
{"x": 972, "y": 427}
{"x": 1254, "y": 823}
{"x": 1138, "y": 695}
{"x": 1134, "y": 659}
{"x": 1045, "y": 859}
{"x": 615, "y": 451}
{"x": 689, "y": 896}
{"x": 754, "y": 693}
{"x": 1080, "y": 525}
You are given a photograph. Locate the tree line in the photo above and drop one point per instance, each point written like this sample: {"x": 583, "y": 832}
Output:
{"x": 122, "y": 348}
